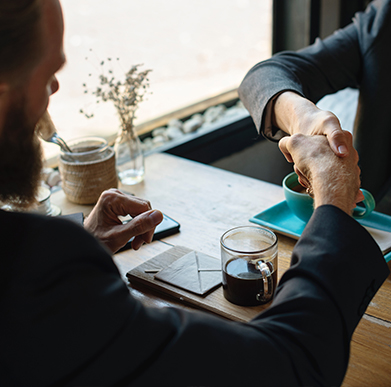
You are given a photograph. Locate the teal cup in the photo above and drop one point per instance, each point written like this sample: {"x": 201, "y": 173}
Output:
{"x": 302, "y": 205}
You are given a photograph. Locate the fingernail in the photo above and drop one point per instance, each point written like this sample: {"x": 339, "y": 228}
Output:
{"x": 156, "y": 217}
{"x": 342, "y": 149}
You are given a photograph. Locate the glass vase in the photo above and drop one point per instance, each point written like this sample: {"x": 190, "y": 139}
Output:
{"x": 129, "y": 157}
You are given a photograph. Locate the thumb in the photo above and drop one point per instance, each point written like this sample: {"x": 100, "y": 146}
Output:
{"x": 144, "y": 222}
{"x": 338, "y": 142}
{"x": 143, "y": 226}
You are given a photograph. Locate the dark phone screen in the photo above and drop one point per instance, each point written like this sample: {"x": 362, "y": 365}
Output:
{"x": 167, "y": 227}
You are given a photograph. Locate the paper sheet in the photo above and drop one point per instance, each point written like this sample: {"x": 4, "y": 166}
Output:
{"x": 383, "y": 238}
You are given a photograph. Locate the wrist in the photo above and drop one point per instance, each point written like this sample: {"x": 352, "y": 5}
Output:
{"x": 333, "y": 201}
{"x": 293, "y": 113}
{"x": 331, "y": 191}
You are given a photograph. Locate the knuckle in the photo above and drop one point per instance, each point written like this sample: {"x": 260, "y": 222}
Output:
{"x": 329, "y": 118}
{"x": 109, "y": 198}
{"x": 348, "y": 135}
{"x": 336, "y": 133}
{"x": 145, "y": 205}
{"x": 296, "y": 139}
{"x": 108, "y": 195}
{"x": 331, "y": 123}
{"x": 296, "y": 142}
{"x": 340, "y": 135}
{"x": 105, "y": 195}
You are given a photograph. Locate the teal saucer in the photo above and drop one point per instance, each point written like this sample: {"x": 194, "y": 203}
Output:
{"x": 279, "y": 218}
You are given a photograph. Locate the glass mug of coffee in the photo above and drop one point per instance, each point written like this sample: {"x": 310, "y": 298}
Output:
{"x": 249, "y": 265}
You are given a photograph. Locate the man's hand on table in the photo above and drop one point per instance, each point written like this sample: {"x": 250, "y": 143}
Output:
{"x": 104, "y": 224}
{"x": 333, "y": 180}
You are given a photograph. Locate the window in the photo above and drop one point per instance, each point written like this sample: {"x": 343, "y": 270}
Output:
{"x": 196, "y": 48}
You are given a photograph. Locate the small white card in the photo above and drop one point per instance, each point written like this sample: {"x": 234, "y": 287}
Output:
{"x": 383, "y": 238}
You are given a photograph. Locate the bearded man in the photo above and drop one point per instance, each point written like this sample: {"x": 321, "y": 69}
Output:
{"x": 69, "y": 320}
{"x": 31, "y": 52}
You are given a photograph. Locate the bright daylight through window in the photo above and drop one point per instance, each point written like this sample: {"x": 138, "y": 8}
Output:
{"x": 196, "y": 49}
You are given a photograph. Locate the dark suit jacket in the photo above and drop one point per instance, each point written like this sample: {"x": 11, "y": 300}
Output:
{"x": 67, "y": 318}
{"x": 357, "y": 56}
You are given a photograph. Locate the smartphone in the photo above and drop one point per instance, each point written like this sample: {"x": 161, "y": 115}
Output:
{"x": 167, "y": 227}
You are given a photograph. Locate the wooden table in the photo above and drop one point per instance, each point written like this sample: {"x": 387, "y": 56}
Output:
{"x": 207, "y": 201}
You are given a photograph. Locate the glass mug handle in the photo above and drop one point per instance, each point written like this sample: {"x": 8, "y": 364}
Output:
{"x": 267, "y": 290}
{"x": 369, "y": 203}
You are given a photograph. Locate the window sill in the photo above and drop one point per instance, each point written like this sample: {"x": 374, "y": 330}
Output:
{"x": 154, "y": 138}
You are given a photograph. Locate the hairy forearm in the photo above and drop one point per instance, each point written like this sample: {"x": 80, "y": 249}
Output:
{"x": 337, "y": 189}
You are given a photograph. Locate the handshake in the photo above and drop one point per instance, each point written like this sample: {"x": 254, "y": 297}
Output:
{"x": 328, "y": 178}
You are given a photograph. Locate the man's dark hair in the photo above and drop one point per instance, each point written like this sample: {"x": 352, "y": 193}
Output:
{"x": 20, "y": 37}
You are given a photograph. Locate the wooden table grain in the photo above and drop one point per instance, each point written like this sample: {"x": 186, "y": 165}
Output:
{"x": 207, "y": 201}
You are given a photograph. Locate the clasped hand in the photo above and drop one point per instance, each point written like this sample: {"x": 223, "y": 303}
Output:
{"x": 104, "y": 224}
{"x": 334, "y": 180}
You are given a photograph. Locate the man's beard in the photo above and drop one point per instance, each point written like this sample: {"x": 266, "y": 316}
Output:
{"x": 20, "y": 159}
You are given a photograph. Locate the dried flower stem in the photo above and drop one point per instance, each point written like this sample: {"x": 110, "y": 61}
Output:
{"x": 126, "y": 96}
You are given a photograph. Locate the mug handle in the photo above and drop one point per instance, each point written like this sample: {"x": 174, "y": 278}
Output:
{"x": 369, "y": 205}
{"x": 267, "y": 290}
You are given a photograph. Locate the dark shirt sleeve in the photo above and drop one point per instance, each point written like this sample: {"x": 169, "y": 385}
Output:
{"x": 323, "y": 68}
{"x": 72, "y": 322}
{"x": 305, "y": 334}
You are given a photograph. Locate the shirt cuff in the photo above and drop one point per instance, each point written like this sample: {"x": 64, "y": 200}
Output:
{"x": 269, "y": 131}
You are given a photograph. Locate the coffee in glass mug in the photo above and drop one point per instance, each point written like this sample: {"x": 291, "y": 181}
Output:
{"x": 249, "y": 259}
